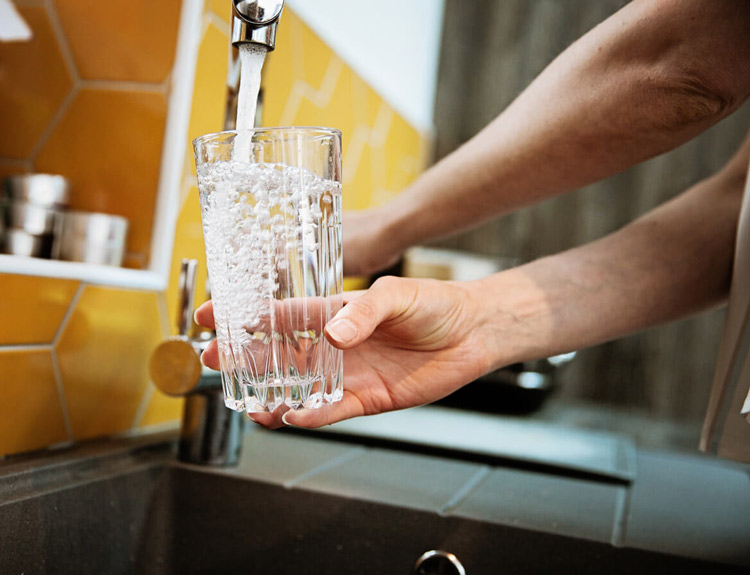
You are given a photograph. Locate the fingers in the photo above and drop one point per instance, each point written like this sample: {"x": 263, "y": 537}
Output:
{"x": 204, "y": 315}
{"x": 347, "y": 408}
{"x": 270, "y": 420}
{"x": 210, "y": 356}
{"x": 363, "y": 311}
{"x": 306, "y": 418}
{"x": 361, "y": 315}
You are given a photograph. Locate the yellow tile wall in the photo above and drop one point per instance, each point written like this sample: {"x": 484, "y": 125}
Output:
{"x": 90, "y": 86}
{"x": 306, "y": 84}
{"x": 86, "y": 98}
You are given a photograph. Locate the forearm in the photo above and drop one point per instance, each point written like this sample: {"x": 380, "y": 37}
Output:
{"x": 672, "y": 262}
{"x": 643, "y": 82}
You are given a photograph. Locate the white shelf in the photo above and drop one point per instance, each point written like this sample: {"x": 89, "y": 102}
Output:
{"x": 88, "y": 273}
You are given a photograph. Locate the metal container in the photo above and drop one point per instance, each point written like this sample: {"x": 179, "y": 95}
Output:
{"x": 91, "y": 237}
{"x": 48, "y": 190}
{"x": 32, "y": 218}
{"x": 21, "y": 243}
{"x": 2, "y": 226}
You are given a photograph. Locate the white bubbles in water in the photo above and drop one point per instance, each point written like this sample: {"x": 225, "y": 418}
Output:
{"x": 259, "y": 219}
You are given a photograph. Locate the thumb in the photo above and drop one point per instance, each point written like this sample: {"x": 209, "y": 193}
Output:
{"x": 356, "y": 321}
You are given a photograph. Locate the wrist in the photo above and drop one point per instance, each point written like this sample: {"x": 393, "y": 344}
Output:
{"x": 395, "y": 232}
{"x": 515, "y": 319}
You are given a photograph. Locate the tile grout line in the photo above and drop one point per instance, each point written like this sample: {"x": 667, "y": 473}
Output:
{"x": 143, "y": 405}
{"x": 68, "y": 314}
{"x": 56, "y": 362}
{"x": 624, "y": 496}
{"x": 620, "y": 519}
{"x": 163, "y": 309}
{"x": 61, "y": 395}
{"x": 350, "y": 455}
{"x": 62, "y": 40}
{"x": 53, "y": 123}
{"x": 26, "y": 347}
{"x": 125, "y": 86}
{"x": 465, "y": 490}
{"x": 75, "y": 78}
{"x": 219, "y": 22}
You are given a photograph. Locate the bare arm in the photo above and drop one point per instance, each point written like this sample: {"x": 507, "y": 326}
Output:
{"x": 674, "y": 261}
{"x": 648, "y": 79}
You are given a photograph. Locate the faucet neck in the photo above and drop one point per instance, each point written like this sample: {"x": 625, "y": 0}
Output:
{"x": 255, "y": 21}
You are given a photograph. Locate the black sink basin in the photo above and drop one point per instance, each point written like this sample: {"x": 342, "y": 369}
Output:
{"x": 128, "y": 507}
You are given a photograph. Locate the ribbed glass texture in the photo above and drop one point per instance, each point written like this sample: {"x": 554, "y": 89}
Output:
{"x": 271, "y": 212}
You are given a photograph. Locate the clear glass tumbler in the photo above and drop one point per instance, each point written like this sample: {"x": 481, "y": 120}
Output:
{"x": 271, "y": 210}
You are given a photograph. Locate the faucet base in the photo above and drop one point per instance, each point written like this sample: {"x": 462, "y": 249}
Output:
{"x": 211, "y": 434}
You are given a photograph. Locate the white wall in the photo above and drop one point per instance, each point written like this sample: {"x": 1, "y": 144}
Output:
{"x": 392, "y": 44}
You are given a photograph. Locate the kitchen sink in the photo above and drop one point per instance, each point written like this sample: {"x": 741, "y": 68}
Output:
{"x": 127, "y": 506}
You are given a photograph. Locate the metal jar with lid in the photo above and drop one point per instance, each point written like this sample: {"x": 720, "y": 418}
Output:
{"x": 91, "y": 237}
{"x": 31, "y": 207}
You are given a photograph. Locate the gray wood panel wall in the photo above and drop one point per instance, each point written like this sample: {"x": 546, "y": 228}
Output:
{"x": 491, "y": 51}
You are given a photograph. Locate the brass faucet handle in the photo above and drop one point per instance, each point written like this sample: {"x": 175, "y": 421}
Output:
{"x": 176, "y": 367}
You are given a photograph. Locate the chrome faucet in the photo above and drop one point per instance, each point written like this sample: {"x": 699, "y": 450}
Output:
{"x": 211, "y": 433}
{"x": 255, "y": 21}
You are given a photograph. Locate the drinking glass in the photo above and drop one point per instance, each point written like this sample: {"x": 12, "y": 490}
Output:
{"x": 271, "y": 212}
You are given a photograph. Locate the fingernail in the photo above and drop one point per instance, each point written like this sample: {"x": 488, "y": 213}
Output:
{"x": 342, "y": 330}
{"x": 283, "y": 419}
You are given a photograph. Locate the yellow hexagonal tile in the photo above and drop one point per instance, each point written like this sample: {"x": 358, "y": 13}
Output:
{"x": 162, "y": 409}
{"x": 135, "y": 44}
{"x": 188, "y": 244}
{"x": 33, "y": 307}
{"x": 33, "y": 83}
{"x": 309, "y": 52}
{"x": 109, "y": 145}
{"x": 277, "y": 74}
{"x": 31, "y": 416}
{"x": 210, "y": 88}
{"x": 104, "y": 355}
{"x": 222, "y": 8}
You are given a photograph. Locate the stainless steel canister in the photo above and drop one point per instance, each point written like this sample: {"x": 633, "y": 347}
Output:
{"x": 21, "y": 243}
{"x": 31, "y": 207}
{"x": 31, "y": 218}
{"x": 91, "y": 237}
{"x": 3, "y": 208}
{"x": 50, "y": 190}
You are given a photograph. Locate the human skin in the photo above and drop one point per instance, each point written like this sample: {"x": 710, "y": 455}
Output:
{"x": 409, "y": 342}
{"x": 646, "y": 80}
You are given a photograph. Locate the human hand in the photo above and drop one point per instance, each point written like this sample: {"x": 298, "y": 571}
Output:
{"x": 407, "y": 342}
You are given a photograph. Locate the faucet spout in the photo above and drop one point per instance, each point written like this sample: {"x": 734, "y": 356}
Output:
{"x": 255, "y": 21}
